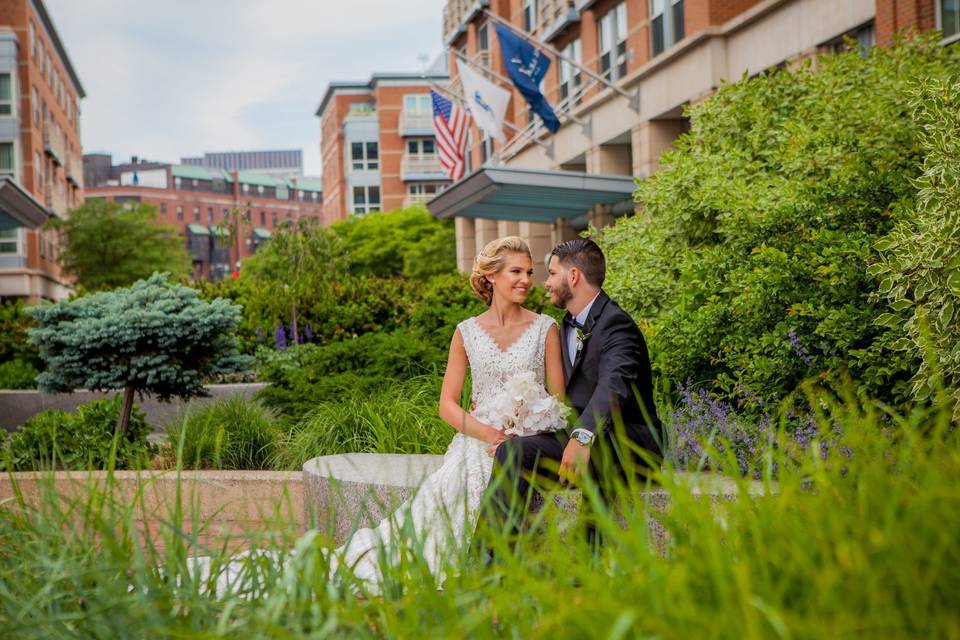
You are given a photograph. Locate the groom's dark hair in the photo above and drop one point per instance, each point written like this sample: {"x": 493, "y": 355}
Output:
{"x": 585, "y": 255}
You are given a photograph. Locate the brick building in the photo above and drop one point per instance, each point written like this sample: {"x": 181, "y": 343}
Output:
{"x": 198, "y": 200}
{"x": 377, "y": 144}
{"x": 40, "y": 150}
{"x": 656, "y": 56}
{"x": 281, "y": 162}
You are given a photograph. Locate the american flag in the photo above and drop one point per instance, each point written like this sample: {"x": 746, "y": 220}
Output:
{"x": 451, "y": 126}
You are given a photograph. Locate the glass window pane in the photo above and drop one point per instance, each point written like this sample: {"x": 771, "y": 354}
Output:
{"x": 374, "y": 196}
{"x": 621, "y": 13}
{"x": 6, "y": 157}
{"x": 356, "y": 151}
{"x": 678, "y": 27}
{"x": 6, "y": 90}
{"x": 950, "y": 17}
{"x": 413, "y": 147}
{"x": 428, "y": 146}
{"x": 371, "y": 151}
{"x": 359, "y": 197}
{"x": 410, "y": 103}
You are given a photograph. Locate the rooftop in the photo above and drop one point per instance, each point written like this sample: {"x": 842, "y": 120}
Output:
{"x": 354, "y": 87}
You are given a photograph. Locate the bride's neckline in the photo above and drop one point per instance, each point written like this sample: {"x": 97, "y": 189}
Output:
{"x": 522, "y": 335}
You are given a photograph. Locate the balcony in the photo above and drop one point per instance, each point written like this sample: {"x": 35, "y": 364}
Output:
{"x": 55, "y": 199}
{"x": 422, "y": 168}
{"x": 416, "y": 124}
{"x": 456, "y": 15}
{"x": 53, "y": 143}
{"x": 556, "y": 16}
{"x": 74, "y": 170}
{"x": 418, "y": 199}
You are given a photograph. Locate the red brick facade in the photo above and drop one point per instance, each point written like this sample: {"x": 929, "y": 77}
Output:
{"x": 903, "y": 16}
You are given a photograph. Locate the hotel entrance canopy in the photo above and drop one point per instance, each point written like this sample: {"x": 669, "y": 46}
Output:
{"x": 530, "y": 195}
{"x": 18, "y": 208}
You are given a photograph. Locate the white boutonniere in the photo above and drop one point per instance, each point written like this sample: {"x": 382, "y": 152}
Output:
{"x": 582, "y": 336}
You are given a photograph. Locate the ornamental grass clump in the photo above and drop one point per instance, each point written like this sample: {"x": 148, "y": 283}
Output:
{"x": 864, "y": 545}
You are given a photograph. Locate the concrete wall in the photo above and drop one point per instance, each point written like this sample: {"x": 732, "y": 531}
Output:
{"x": 16, "y": 407}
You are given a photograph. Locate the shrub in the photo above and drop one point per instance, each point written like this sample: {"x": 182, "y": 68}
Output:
{"x": 78, "y": 441}
{"x": 17, "y": 374}
{"x": 747, "y": 266}
{"x": 397, "y": 417}
{"x": 153, "y": 337}
{"x": 14, "y": 323}
{"x": 919, "y": 262}
{"x": 234, "y": 433}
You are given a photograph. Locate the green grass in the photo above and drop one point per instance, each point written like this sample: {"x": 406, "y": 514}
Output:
{"x": 402, "y": 417}
{"x": 860, "y": 545}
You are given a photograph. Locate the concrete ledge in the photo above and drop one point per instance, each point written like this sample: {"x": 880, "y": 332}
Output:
{"x": 340, "y": 490}
{"x": 16, "y": 407}
{"x": 216, "y": 504}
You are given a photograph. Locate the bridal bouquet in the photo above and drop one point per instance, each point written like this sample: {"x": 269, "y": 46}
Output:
{"x": 523, "y": 408}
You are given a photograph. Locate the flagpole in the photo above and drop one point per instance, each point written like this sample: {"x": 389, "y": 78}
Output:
{"x": 584, "y": 124}
{"x": 632, "y": 99}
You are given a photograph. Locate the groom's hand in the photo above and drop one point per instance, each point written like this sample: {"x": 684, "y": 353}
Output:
{"x": 575, "y": 459}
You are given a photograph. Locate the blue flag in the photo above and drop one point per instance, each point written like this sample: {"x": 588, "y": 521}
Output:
{"x": 526, "y": 66}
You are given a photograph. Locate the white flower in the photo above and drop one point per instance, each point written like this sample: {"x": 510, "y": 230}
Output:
{"x": 523, "y": 407}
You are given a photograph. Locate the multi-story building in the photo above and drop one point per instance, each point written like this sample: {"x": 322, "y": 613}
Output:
{"x": 638, "y": 63}
{"x": 199, "y": 202}
{"x": 40, "y": 151}
{"x": 284, "y": 163}
{"x": 377, "y": 144}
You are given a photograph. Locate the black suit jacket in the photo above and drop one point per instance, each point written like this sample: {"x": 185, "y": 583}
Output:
{"x": 611, "y": 376}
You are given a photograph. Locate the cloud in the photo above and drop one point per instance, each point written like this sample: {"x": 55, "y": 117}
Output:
{"x": 172, "y": 79}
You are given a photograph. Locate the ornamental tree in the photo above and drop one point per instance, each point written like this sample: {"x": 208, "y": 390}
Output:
{"x": 153, "y": 337}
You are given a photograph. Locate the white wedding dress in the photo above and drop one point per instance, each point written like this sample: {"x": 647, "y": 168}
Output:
{"x": 442, "y": 515}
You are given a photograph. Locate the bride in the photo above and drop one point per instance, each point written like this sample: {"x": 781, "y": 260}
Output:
{"x": 499, "y": 345}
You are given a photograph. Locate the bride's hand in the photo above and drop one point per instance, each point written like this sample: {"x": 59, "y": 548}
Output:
{"x": 500, "y": 438}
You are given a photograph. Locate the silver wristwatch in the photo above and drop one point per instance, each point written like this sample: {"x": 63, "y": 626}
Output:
{"x": 583, "y": 436}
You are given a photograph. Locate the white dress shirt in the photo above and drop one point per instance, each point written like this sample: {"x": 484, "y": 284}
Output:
{"x": 581, "y": 319}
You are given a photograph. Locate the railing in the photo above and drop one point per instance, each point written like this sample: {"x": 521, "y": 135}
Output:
{"x": 457, "y": 12}
{"x": 415, "y": 121}
{"x": 53, "y": 142}
{"x": 420, "y": 165}
{"x": 56, "y": 199}
{"x": 418, "y": 198}
{"x": 74, "y": 169}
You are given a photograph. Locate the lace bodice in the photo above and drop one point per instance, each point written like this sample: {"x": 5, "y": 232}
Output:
{"x": 491, "y": 367}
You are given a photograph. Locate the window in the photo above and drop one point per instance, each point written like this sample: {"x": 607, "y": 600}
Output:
{"x": 180, "y": 214}
{"x": 529, "y": 15}
{"x": 612, "y": 35}
{"x": 263, "y": 218}
{"x": 224, "y": 215}
{"x": 423, "y": 190}
{"x": 6, "y": 94}
{"x": 364, "y": 156}
{"x": 33, "y": 39}
{"x": 163, "y": 208}
{"x": 210, "y": 215}
{"x": 948, "y": 13}
{"x": 366, "y": 199}
{"x": 486, "y": 147}
{"x": 9, "y": 241}
{"x": 246, "y": 189}
{"x": 570, "y": 78}
{"x": 196, "y": 214}
{"x": 483, "y": 39}
{"x": 273, "y": 219}
{"x": 418, "y": 103}
{"x": 35, "y": 103}
{"x": 177, "y": 183}
{"x": 41, "y": 59}
{"x": 666, "y": 26}
{"x": 418, "y": 147}
{"x": 38, "y": 171}
{"x": 7, "y": 164}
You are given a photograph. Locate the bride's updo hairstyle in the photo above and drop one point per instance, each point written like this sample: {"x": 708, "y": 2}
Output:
{"x": 490, "y": 261}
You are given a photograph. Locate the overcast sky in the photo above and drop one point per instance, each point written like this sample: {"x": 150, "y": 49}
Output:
{"x": 179, "y": 77}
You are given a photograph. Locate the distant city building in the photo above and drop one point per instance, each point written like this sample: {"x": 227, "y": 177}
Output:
{"x": 198, "y": 200}
{"x": 40, "y": 167}
{"x": 377, "y": 144}
{"x": 288, "y": 162}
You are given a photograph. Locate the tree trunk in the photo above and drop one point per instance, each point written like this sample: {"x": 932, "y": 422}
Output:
{"x": 124, "y": 420}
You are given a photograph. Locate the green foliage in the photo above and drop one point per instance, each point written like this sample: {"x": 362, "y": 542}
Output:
{"x": 153, "y": 337}
{"x": 113, "y": 245}
{"x": 400, "y": 417}
{"x": 17, "y": 374}
{"x": 747, "y": 266}
{"x": 409, "y": 242}
{"x": 919, "y": 263}
{"x": 865, "y": 546}
{"x": 83, "y": 440}
{"x": 235, "y": 433}
{"x": 14, "y": 322}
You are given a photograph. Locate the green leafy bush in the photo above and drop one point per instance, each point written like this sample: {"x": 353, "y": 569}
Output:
{"x": 17, "y": 374}
{"x": 747, "y": 266}
{"x": 78, "y": 441}
{"x": 919, "y": 262}
{"x": 14, "y": 323}
{"x": 235, "y": 433}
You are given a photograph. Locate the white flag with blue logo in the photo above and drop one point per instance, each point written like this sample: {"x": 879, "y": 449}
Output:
{"x": 487, "y": 102}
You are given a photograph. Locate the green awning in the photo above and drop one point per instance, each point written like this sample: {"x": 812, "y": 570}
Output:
{"x": 263, "y": 234}
{"x": 255, "y": 178}
{"x": 198, "y": 230}
{"x": 219, "y": 230}
{"x": 531, "y": 195}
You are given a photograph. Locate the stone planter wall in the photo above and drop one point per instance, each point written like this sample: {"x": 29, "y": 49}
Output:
{"x": 216, "y": 504}
{"x": 16, "y": 407}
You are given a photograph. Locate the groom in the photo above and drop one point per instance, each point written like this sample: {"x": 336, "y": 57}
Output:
{"x": 608, "y": 384}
